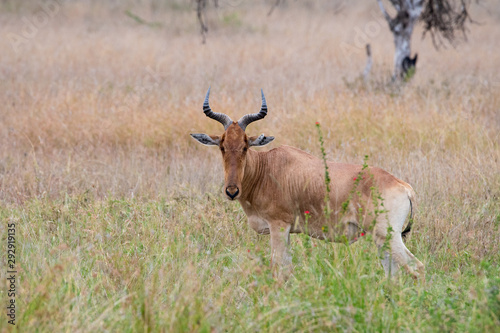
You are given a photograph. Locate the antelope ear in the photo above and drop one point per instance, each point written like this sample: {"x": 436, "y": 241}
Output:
{"x": 261, "y": 140}
{"x": 207, "y": 140}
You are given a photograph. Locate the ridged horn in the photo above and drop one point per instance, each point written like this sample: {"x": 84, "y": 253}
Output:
{"x": 250, "y": 118}
{"x": 220, "y": 117}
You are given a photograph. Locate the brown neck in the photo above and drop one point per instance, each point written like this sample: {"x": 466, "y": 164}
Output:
{"x": 254, "y": 171}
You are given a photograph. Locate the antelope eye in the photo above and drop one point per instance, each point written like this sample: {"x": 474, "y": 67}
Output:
{"x": 245, "y": 148}
{"x": 222, "y": 149}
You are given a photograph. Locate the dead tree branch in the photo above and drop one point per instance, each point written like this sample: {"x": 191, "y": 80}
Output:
{"x": 386, "y": 14}
{"x": 444, "y": 18}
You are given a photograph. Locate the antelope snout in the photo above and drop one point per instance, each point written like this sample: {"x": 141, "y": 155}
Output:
{"x": 232, "y": 191}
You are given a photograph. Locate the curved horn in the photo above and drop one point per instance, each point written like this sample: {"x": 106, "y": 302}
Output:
{"x": 250, "y": 118}
{"x": 220, "y": 117}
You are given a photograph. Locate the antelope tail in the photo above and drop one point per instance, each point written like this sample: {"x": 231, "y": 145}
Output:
{"x": 410, "y": 222}
{"x": 411, "y": 195}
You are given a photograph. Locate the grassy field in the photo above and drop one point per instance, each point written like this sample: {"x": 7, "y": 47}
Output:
{"x": 121, "y": 225}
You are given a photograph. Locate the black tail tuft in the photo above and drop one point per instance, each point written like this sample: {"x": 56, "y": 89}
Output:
{"x": 410, "y": 222}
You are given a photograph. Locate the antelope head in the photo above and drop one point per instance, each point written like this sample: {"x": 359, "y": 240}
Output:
{"x": 233, "y": 144}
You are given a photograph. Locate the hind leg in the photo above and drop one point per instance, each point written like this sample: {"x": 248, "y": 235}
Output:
{"x": 419, "y": 267}
{"x": 395, "y": 255}
{"x": 398, "y": 256}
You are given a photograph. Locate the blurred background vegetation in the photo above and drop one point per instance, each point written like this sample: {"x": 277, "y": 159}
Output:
{"x": 121, "y": 221}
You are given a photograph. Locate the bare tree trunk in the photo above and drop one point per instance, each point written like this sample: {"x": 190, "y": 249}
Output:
{"x": 276, "y": 4}
{"x": 368, "y": 67}
{"x": 402, "y": 41}
{"x": 200, "y": 6}
{"x": 408, "y": 12}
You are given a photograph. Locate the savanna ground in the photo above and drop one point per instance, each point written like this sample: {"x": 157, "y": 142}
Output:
{"x": 121, "y": 224}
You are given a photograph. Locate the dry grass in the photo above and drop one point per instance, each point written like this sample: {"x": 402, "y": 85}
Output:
{"x": 84, "y": 120}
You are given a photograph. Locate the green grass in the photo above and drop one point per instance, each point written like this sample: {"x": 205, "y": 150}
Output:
{"x": 184, "y": 264}
{"x": 121, "y": 223}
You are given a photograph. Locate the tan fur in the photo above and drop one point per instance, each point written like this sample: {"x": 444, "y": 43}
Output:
{"x": 276, "y": 187}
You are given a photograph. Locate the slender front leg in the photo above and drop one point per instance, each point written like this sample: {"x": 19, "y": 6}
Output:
{"x": 281, "y": 260}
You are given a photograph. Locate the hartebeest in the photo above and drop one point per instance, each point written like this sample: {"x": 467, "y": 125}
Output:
{"x": 283, "y": 191}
